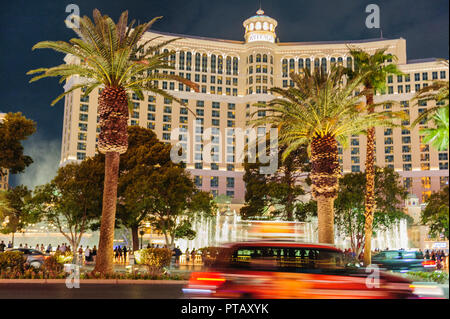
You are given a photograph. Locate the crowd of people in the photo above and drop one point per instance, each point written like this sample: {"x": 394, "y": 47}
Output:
{"x": 438, "y": 256}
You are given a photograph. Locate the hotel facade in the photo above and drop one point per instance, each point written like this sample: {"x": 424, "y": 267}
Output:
{"x": 232, "y": 76}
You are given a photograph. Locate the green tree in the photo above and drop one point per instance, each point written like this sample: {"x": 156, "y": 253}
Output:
{"x": 117, "y": 57}
{"x": 72, "y": 200}
{"x": 169, "y": 198}
{"x": 279, "y": 191}
{"x": 14, "y": 129}
{"x": 16, "y": 214}
{"x": 320, "y": 111}
{"x": 144, "y": 151}
{"x": 436, "y": 213}
{"x": 350, "y": 205}
{"x": 376, "y": 69}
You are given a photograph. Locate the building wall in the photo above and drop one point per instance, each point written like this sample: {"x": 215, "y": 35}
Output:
{"x": 268, "y": 63}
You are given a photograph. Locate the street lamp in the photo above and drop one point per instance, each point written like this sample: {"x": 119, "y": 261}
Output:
{"x": 142, "y": 236}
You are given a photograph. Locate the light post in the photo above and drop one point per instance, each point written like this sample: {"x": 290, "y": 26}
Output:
{"x": 142, "y": 236}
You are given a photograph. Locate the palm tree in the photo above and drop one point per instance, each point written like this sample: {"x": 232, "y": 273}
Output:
{"x": 377, "y": 69}
{"x": 438, "y": 137}
{"x": 320, "y": 111}
{"x": 115, "y": 57}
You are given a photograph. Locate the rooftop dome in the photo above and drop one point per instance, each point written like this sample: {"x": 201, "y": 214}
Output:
{"x": 260, "y": 28}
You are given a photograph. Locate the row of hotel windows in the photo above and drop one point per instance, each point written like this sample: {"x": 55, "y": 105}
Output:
{"x": 288, "y": 66}
{"x": 216, "y": 62}
{"x": 426, "y": 185}
{"x": 259, "y": 58}
{"x": 407, "y": 77}
{"x": 199, "y": 79}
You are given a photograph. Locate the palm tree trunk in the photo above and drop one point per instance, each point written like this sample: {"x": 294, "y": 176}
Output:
{"x": 104, "y": 261}
{"x": 370, "y": 187}
{"x": 325, "y": 172}
{"x": 325, "y": 213}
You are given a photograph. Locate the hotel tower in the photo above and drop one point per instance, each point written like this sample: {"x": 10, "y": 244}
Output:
{"x": 232, "y": 76}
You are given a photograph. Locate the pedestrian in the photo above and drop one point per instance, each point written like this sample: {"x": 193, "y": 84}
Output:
{"x": 10, "y": 245}
{"x": 120, "y": 254}
{"x": 80, "y": 254}
{"x": 94, "y": 253}
{"x": 2, "y": 246}
{"x": 87, "y": 255}
{"x": 125, "y": 250}
{"x": 26, "y": 245}
{"x": 148, "y": 246}
{"x": 427, "y": 254}
{"x": 20, "y": 246}
{"x": 49, "y": 249}
{"x": 42, "y": 248}
{"x": 58, "y": 248}
{"x": 37, "y": 247}
{"x": 187, "y": 255}
{"x": 178, "y": 253}
{"x": 116, "y": 254}
{"x": 193, "y": 252}
{"x": 63, "y": 248}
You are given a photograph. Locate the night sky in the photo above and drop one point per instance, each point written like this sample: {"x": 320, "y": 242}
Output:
{"x": 424, "y": 24}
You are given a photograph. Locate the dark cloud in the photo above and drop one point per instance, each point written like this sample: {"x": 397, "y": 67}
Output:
{"x": 424, "y": 24}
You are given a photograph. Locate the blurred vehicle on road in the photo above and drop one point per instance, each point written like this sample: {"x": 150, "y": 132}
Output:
{"x": 403, "y": 261}
{"x": 282, "y": 269}
{"x": 35, "y": 258}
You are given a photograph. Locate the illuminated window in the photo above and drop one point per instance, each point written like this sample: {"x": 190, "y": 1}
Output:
{"x": 407, "y": 182}
{"x": 426, "y": 182}
{"x": 424, "y": 157}
{"x": 407, "y": 167}
{"x": 214, "y": 181}
{"x": 425, "y": 196}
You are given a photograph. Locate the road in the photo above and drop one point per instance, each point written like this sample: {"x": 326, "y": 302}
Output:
{"x": 90, "y": 291}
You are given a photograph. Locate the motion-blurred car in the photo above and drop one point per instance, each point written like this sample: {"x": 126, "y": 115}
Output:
{"x": 273, "y": 269}
{"x": 403, "y": 261}
{"x": 35, "y": 258}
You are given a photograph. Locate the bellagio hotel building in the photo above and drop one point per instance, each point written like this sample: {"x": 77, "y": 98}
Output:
{"x": 233, "y": 75}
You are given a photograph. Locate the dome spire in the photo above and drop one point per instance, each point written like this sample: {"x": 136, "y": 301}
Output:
{"x": 260, "y": 11}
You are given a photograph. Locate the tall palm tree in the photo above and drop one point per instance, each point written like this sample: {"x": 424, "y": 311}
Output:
{"x": 115, "y": 57}
{"x": 438, "y": 137}
{"x": 377, "y": 69}
{"x": 320, "y": 111}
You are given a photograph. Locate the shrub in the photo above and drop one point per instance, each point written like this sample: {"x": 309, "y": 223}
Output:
{"x": 12, "y": 260}
{"x": 63, "y": 257}
{"x": 52, "y": 263}
{"x": 154, "y": 258}
{"x": 436, "y": 276}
